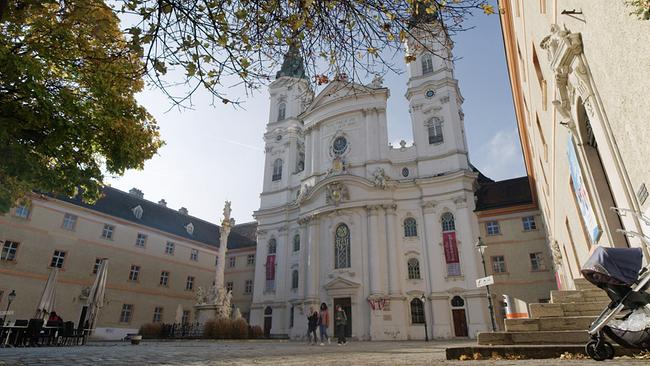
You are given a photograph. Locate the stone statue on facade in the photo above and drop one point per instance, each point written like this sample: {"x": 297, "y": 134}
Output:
{"x": 380, "y": 178}
{"x": 201, "y": 297}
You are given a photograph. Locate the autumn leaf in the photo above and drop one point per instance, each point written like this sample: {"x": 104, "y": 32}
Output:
{"x": 487, "y": 9}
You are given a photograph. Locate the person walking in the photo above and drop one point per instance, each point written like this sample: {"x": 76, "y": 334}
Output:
{"x": 312, "y": 324}
{"x": 340, "y": 321}
{"x": 323, "y": 323}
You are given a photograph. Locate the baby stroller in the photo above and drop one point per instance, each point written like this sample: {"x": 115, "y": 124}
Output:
{"x": 626, "y": 320}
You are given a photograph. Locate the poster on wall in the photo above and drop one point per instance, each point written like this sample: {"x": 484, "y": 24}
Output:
{"x": 451, "y": 253}
{"x": 582, "y": 196}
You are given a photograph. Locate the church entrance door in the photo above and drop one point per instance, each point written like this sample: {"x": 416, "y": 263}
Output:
{"x": 346, "y": 304}
{"x": 460, "y": 322}
{"x": 268, "y": 317}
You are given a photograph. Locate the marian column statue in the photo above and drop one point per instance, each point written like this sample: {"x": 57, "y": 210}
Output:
{"x": 226, "y": 226}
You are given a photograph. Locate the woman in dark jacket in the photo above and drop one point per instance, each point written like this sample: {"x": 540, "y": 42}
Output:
{"x": 340, "y": 321}
{"x": 312, "y": 324}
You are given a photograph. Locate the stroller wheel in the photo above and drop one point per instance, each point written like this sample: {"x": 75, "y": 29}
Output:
{"x": 600, "y": 350}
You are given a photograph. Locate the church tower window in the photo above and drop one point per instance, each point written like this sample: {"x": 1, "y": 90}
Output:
{"x": 272, "y": 246}
{"x": 277, "y": 170}
{"x": 452, "y": 258}
{"x": 414, "y": 269}
{"x": 296, "y": 243}
{"x": 342, "y": 247}
{"x": 410, "y": 227}
{"x": 435, "y": 131}
{"x": 427, "y": 64}
{"x": 282, "y": 111}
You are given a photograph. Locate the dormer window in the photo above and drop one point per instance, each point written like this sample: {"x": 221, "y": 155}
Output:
{"x": 189, "y": 228}
{"x": 282, "y": 111}
{"x": 137, "y": 212}
{"x": 427, "y": 64}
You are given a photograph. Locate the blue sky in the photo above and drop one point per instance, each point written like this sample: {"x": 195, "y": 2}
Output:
{"x": 215, "y": 153}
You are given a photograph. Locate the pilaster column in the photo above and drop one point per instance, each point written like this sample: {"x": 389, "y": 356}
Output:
{"x": 304, "y": 244}
{"x": 308, "y": 149}
{"x": 315, "y": 144}
{"x": 311, "y": 281}
{"x": 374, "y": 249}
{"x": 392, "y": 250}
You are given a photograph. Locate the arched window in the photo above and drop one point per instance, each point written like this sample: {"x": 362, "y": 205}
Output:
{"x": 294, "y": 279}
{"x": 435, "y": 131}
{"x": 452, "y": 257}
{"x": 414, "y": 269}
{"x": 342, "y": 247}
{"x": 448, "y": 223}
{"x": 277, "y": 169}
{"x": 272, "y": 246}
{"x": 268, "y": 311}
{"x": 427, "y": 64}
{"x": 296, "y": 243}
{"x": 417, "y": 311}
{"x": 282, "y": 111}
{"x": 410, "y": 227}
{"x": 457, "y": 302}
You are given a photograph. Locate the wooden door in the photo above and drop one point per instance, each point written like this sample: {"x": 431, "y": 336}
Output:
{"x": 267, "y": 326}
{"x": 346, "y": 304}
{"x": 460, "y": 322}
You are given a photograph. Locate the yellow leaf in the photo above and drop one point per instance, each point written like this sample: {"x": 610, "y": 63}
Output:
{"x": 487, "y": 9}
{"x": 390, "y": 37}
{"x": 372, "y": 51}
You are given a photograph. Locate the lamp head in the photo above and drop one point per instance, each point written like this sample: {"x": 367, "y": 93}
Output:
{"x": 12, "y": 296}
{"x": 480, "y": 245}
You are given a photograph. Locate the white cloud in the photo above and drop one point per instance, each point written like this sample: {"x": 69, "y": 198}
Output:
{"x": 500, "y": 158}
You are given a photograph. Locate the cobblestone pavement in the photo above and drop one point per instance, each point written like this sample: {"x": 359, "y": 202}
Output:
{"x": 203, "y": 353}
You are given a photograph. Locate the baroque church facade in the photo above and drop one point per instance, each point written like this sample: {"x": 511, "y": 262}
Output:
{"x": 347, "y": 219}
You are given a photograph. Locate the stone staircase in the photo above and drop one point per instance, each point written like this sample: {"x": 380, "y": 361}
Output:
{"x": 564, "y": 320}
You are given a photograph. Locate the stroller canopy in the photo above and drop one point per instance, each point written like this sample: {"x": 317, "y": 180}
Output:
{"x": 615, "y": 266}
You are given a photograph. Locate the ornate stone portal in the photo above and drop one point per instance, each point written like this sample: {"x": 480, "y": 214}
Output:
{"x": 215, "y": 303}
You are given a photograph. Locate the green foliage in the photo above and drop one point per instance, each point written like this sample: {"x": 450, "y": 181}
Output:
{"x": 68, "y": 80}
{"x": 641, "y": 8}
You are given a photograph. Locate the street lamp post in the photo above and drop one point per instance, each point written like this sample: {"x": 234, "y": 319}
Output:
{"x": 424, "y": 314}
{"x": 480, "y": 245}
{"x": 11, "y": 297}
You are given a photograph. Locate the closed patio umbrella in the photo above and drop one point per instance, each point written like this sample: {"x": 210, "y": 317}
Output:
{"x": 46, "y": 304}
{"x": 179, "y": 314}
{"x": 95, "y": 299}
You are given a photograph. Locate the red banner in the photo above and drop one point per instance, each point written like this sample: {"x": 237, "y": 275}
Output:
{"x": 451, "y": 250}
{"x": 270, "y": 267}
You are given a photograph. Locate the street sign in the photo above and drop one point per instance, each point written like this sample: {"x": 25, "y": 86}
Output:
{"x": 485, "y": 281}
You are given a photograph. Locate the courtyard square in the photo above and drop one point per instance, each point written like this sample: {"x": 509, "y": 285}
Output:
{"x": 199, "y": 353}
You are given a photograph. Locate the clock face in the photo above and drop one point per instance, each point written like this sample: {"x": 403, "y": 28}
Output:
{"x": 339, "y": 145}
{"x": 430, "y": 93}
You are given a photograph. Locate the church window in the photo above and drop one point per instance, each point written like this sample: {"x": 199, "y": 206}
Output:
{"x": 282, "y": 110}
{"x": 414, "y": 269}
{"x": 339, "y": 145}
{"x": 452, "y": 258}
{"x": 435, "y": 131}
{"x": 417, "y": 311}
{"x": 296, "y": 243}
{"x": 427, "y": 64}
{"x": 272, "y": 246}
{"x": 410, "y": 227}
{"x": 294, "y": 279}
{"x": 277, "y": 170}
{"x": 342, "y": 247}
{"x": 405, "y": 172}
{"x": 457, "y": 302}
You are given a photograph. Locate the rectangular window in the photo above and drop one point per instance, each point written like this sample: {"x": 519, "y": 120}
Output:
{"x": 231, "y": 262}
{"x": 57, "y": 259}
{"x": 529, "y": 223}
{"x": 98, "y": 261}
{"x": 134, "y": 273}
{"x": 194, "y": 255}
{"x": 186, "y": 317}
{"x": 157, "y": 314}
{"x": 189, "y": 285}
{"x": 249, "y": 287}
{"x": 229, "y": 286}
{"x": 540, "y": 77}
{"x": 107, "y": 232}
{"x": 9, "y": 249}
{"x": 542, "y": 6}
{"x": 69, "y": 222}
{"x": 169, "y": 248}
{"x": 140, "y": 240}
{"x": 22, "y": 211}
{"x": 291, "y": 312}
{"x": 164, "y": 278}
{"x": 250, "y": 260}
{"x": 498, "y": 264}
{"x": 537, "y": 261}
{"x": 492, "y": 228}
{"x": 435, "y": 133}
{"x": 126, "y": 313}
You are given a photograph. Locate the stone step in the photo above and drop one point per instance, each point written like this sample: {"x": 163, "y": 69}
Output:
{"x": 567, "y": 309}
{"x": 578, "y": 296}
{"x": 582, "y": 284}
{"x": 547, "y": 324}
{"x": 541, "y": 337}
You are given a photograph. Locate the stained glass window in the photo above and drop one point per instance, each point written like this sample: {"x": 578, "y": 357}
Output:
{"x": 342, "y": 247}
